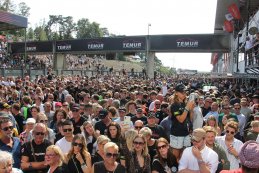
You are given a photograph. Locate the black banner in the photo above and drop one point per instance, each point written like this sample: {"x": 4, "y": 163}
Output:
{"x": 32, "y": 47}
{"x": 117, "y": 44}
{"x": 189, "y": 43}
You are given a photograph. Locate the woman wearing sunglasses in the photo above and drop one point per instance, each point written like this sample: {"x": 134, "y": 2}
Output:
{"x": 164, "y": 161}
{"x": 78, "y": 158}
{"x": 109, "y": 164}
{"x": 138, "y": 160}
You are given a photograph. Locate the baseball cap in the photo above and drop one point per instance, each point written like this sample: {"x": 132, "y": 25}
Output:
{"x": 58, "y": 104}
{"x": 103, "y": 113}
{"x": 75, "y": 107}
{"x": 151, "y": 115}
{"x": 243, "y": 100}
{"x": 4, "y": 105}
{"x": 30, "y": 120}
{"x": 122, "y": 109}
{"x": 139, "y": 110}
{"x": 249, "y": 154}
{"x": 180, "y": 88}
{"x": 198, "y": 134}
{"x": 255, "y": 96}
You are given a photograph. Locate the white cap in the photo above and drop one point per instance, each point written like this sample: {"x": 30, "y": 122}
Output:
{"x": 30, "y": 120}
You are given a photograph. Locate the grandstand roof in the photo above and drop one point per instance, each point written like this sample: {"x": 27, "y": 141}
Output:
{"x": 9, "y": 21}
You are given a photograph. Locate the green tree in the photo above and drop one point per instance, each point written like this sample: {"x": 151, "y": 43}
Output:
{"x": 30, "y": 34}
{"x": 7, "y": 5}
{"x": 23, "y": 9}
{"x": 82, "y": 25}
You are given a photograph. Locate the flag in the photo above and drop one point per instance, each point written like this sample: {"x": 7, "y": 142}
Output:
{"x": 229, "y": 17}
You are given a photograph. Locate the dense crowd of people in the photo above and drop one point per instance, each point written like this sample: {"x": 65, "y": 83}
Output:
{"x": 118, "y": 124}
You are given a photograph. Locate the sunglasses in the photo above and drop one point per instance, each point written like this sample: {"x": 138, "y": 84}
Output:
{"x": 75, "y": 110}
{"x": 232, "y": 133}
{"x": 44, "y": 121}
{"x": 7, "y": 128}
{"x": 138, "y": 127}
{"x": 237, "y": 108}
{"x": 39, "y": 133}
{"x": 50, "y": 155}
{"x": 67, "y": 130}
{"x": 64, "y": 105}
{"x": 226, "y": 108}
{"x": 138, "y": 143}
{"x": 162, "y": 146}
{"x": 114, "y": 155}
{"x": 77, "y": 144}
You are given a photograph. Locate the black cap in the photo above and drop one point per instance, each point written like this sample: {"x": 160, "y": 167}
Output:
{"x": 75, "y": 107}
{"x": 103, "y": 113}
{"x": 255, "y": 96}
{"x": 180, "y": 88}
{"x": 151, "y": 114}
{"x": 123, "y": 109}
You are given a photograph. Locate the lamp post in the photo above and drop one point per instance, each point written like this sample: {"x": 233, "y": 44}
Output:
{"x": 148, "y": 26}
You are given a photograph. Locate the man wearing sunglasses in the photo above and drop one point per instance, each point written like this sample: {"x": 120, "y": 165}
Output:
{"x": 230, "y": 144}
{"x": 10, "y": 143}
{"x": 33, "y": 152}
{"x": 65, "y": 142}
{"x": 199, "y": 157}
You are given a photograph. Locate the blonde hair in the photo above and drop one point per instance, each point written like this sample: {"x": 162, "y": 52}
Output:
{"x": 110, "y": 145}
{"x": 130, "y": 136}
{"x": 210, "y": 129}
{"x": 145, "y": 131}
{"x": 232, "y": 124}
{"x": 102, "y": 138}
{"x": 145, "y": 149}
{"x": 58, "y": 152}
{"x": 255, "y": 123}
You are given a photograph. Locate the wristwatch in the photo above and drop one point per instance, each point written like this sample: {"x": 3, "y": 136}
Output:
{"x": 83, "y": 165}
{"x": 30, "y": 166}
{"x": 200, "y": 161}
{"x": 187, "y": 110}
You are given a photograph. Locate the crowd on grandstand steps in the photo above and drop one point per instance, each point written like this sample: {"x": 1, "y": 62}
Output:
{"x": 84, "y": 62}
{"x": 120, "y": 124}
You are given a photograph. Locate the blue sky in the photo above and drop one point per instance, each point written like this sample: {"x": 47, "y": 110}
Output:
{"x": 131, "y": 17}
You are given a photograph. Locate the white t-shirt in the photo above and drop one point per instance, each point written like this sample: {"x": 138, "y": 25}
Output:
{"x": 189, "y": 161}
{"x": 64, "y": 145}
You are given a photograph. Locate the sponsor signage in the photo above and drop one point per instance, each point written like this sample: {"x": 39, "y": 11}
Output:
{"x": 189, "y": 43}
{"x": 31, "y": 47}
{"x": 103, "y": 44}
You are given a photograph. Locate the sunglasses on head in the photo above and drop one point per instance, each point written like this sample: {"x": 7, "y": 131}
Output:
{"x": 77, "y": 144}
{"x": 44, "y": 121}
{"x": 67, "y": 130}
{"x": 232, "y": 133}
{"x": 114, "y": 155}
{"x": 138, "y": 143}
{"x": 39, "y": 133}
{"x": 7, "y": 128}
{"x": 160, "y": 147}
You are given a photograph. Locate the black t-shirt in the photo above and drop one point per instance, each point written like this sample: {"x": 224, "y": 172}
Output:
{"x": 19, "y": 118}
{"x": 180, "y": 129}
{"x": 158, "y": 132}
{"x": 74, "y": 165}
{"x": 205, "y": 111}
{"x": 100, "y": 168}
{"x": 39, "y": 152}
{"x": 157, "y": 166}
{"x": 135, "y": 118}
{"x": 78, "y": 124}
{"x": 101, "y": 127}
{"x": 160, "y": 115}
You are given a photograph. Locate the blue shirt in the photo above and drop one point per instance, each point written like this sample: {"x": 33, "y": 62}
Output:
{"x": 15, "y": 150}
